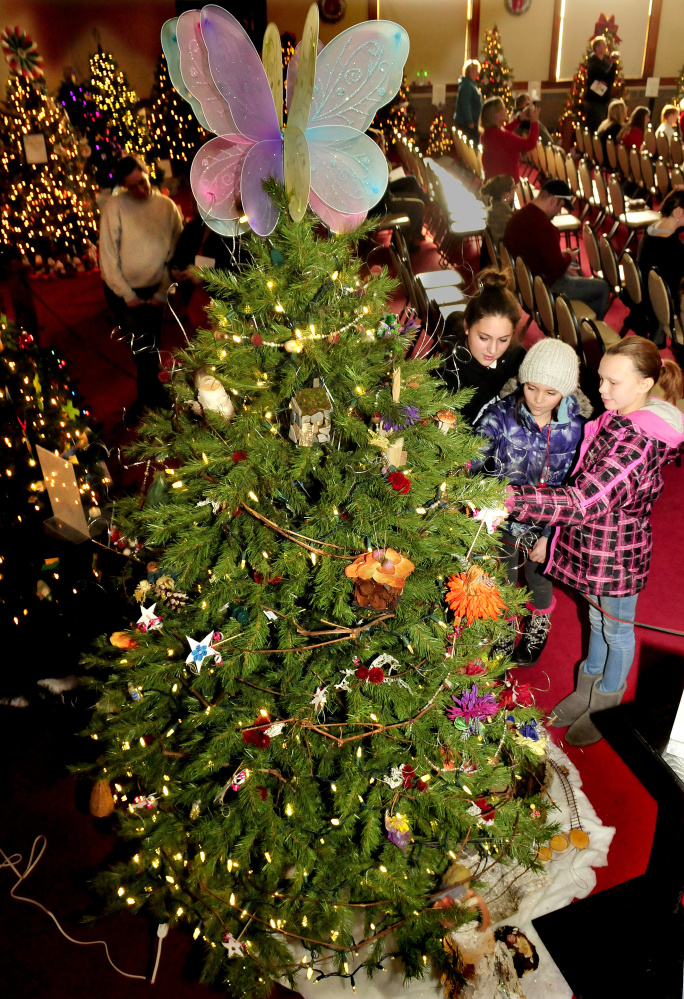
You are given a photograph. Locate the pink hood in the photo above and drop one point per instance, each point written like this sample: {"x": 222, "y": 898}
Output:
{"x": 662, "y": 421}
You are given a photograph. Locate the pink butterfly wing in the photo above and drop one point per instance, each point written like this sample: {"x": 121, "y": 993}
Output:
{"x": 215, "y": 175}
{"x": 194, "y": 66}
{"x": 335, "y": 221}
{"x": 263, "y": 160}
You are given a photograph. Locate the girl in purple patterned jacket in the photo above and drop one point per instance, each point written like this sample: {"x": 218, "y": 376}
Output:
{"x": 603, "y": 545}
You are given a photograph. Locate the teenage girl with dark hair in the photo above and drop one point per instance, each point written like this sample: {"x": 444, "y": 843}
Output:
{"x": 480, "y": 349}
{"x": 603, "y": 543}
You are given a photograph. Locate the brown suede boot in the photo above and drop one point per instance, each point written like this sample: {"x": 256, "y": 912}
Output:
{"x": 574, "y": 705}
{"x": 583, "y": 732}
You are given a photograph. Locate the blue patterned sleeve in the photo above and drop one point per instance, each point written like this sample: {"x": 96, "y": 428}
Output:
{"x": 490, "y": 427}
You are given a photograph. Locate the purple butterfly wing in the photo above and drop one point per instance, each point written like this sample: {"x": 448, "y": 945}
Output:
{"x": 263, "y": 160}
{"x": 239, "y": 74}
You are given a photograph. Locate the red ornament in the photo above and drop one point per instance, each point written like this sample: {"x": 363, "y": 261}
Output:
{"x": 362, "y": 672}
{"x": 258, "y": 578}
{"x": 255, "y": 736}
{"x": 257, "y": 339}
{"x": 164, "y": 377}
{"x": 274, "y": 580}
{"x": 376, "y": 674}
{"x": 408, "y": 776}
{"x": 263, "y": 792}
{"x": 239, "y": 456}
{"x": 474, "y": 668}
{"x": 421, "y": 785}
{"x": 399, "y": 482}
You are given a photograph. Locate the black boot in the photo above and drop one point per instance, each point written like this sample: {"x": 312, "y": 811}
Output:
{"x": 534, "y": 639}
{"x": 505, "y": 643}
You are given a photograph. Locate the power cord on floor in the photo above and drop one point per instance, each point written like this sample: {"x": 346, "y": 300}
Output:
{"x": 15, "y": 859}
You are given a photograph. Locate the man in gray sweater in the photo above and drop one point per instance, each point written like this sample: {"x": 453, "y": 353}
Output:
{"x": 139, "y": 230}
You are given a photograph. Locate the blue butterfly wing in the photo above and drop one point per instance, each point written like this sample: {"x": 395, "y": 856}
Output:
{"x": 357, "y": 73}
{"x": 348, "y": 169}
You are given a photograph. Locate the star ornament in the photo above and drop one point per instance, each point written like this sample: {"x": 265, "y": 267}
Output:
{"x": 234, "y": 947}
{"x": 199, "y": 651}
{"x": 148, "y": 620}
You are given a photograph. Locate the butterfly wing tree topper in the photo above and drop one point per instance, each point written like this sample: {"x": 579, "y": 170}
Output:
{"x": 322, "y": 155}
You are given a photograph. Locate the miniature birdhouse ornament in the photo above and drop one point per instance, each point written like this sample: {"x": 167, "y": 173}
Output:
{"x": 310, "y": 411}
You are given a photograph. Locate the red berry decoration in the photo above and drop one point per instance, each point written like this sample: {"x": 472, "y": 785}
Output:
{"x": 239, "y": 456}
{"x": 274, "y": 580}
{"x": 263, "y": 792}
{"x": 255, "y": 736}
{"x": 257, "y": 339}
{"x": 421, "y": 785}
{"x": 258, "y": 578}
{"x": 362, "y": 672}
{"x": 399, "y": 482}
{"x": 376, "y": 675}
{"x": 408, "y": 774}
{"x": 164, "y": 377}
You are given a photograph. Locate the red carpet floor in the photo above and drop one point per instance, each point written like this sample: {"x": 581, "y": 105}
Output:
{"x": 36, "y": 798}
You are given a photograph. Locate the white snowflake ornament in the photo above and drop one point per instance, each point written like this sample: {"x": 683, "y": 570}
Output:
{"x": 148, "y": 620}
{"x": 234, "y": 947}
{"x": 199, "y": 651}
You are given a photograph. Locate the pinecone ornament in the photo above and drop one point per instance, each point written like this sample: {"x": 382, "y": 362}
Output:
{"x": 101, "y": 800}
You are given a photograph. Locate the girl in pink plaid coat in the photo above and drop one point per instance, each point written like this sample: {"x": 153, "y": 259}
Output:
{"x": 603, "y": 543}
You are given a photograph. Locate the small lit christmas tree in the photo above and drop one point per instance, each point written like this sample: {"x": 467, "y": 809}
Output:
{"x": 77, "y": 103}
{"x": 47, "y": 192}
{"x": 439, "y": 142}
{"x": 118, "y": 127}
{"x": 175, "y": 132}
{"x": 679, "y": 93}
{"x": 496, "y": 76}
{"x": 573, "y": 109}
{"x": 398, "y": 116}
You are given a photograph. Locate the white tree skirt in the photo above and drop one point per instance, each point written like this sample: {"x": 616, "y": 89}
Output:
{"x": 570, "y": 875}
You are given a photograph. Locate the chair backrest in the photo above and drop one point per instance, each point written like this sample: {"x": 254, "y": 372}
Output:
{"x": 633, "y": 283}
{"x": 534, "y": 157}
{"x": 566, "y": 324}
{"x": 402, "y": 247}
{"x": 591, "y": 248}
{"x": 551, "y": 161}
{"x": 609, "y": 264}
{"x": 519, "y": 196}
{"x": 524, "y": 279}
{"x": 662, "y": 146}
{"x": 588, "y": 144}
{"x": 571, "y": 173}
{"x": 579, "y": 141}
{"x": 647, "y": 177}
{"x": 617, "y": 199}
{"x": 597, "y": 148}
{"x": 560, "y": 164}
{"x": 489, "y": 245}
{"x": 650, "y": 140}
{"x": 601, "y": 192}
{"x": 623, "y": 160}
{"x": 404, "y": 276}
{"x": 585, "y": 180}
{"x": 676, "y": 177}
{"x": 662, "y": 178}
{"x": 593, "y": 347}
{"x": 661, "y": 300}
{"x": 541, "y": 153}
{"x": 635, "y": 165}
{"x": 544, "y": 303}
{"x": 676, "y": 151}
{"x": 527, "y": 190}
{"x": 611, "y": 154}
{"x": 506, "y": 258}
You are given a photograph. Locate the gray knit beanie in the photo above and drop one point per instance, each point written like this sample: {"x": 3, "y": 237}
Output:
{"x": 551, "y": 362}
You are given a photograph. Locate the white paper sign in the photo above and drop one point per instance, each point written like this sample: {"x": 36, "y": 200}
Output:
{"x": 438, "y": 94}
{"x": 63, "y": 492}
{"x": 652, "y": 86}
{"x": 534, "y": 90}
{"x": 34, "y": 148}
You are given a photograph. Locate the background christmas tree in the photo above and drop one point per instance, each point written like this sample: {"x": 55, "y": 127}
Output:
{"x": 399, "y": 115}
{"x": 118, "y": 127}
{"x": 679, "y": 93}
{"x": 439, "y": 141}
{"x": 174, "y": 130}
{"x": 573, "y": 110}
{"x": 47, "y": 207}
{"x": 496, "y": 78}
{"x": 296, "y": 776}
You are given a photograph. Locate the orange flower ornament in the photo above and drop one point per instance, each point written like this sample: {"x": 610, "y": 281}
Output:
{"x": 474, "y": 595}
{"x": 384, "y": 566}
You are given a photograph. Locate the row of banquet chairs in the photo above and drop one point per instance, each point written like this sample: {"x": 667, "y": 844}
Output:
{"x": 670, "y": 151}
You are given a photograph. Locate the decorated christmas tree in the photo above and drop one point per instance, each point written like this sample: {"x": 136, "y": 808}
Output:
{"x": 47, "y": 192}
{"x": 573, "y": 110}
{"x": 398, "y": 116}
{"x": 496, "y": 77}
{"x": 439, "y": 142}
{"x": 304, "y": 728}
{"x": 175, "y": 132}
{"x": 679, "y": 93}
{"x": 118, "y": 126}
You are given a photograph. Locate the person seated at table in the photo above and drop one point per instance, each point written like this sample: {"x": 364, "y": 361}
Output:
{"x": 611, "y": 126}
{"x": 523, "y": 104}
{"x": 668, "y": 122}
{"x": 632, "y": 132}
{"x": 531, "y": 234}
{"x": 501, "y": 148}
{"x": 403, "y": 196}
